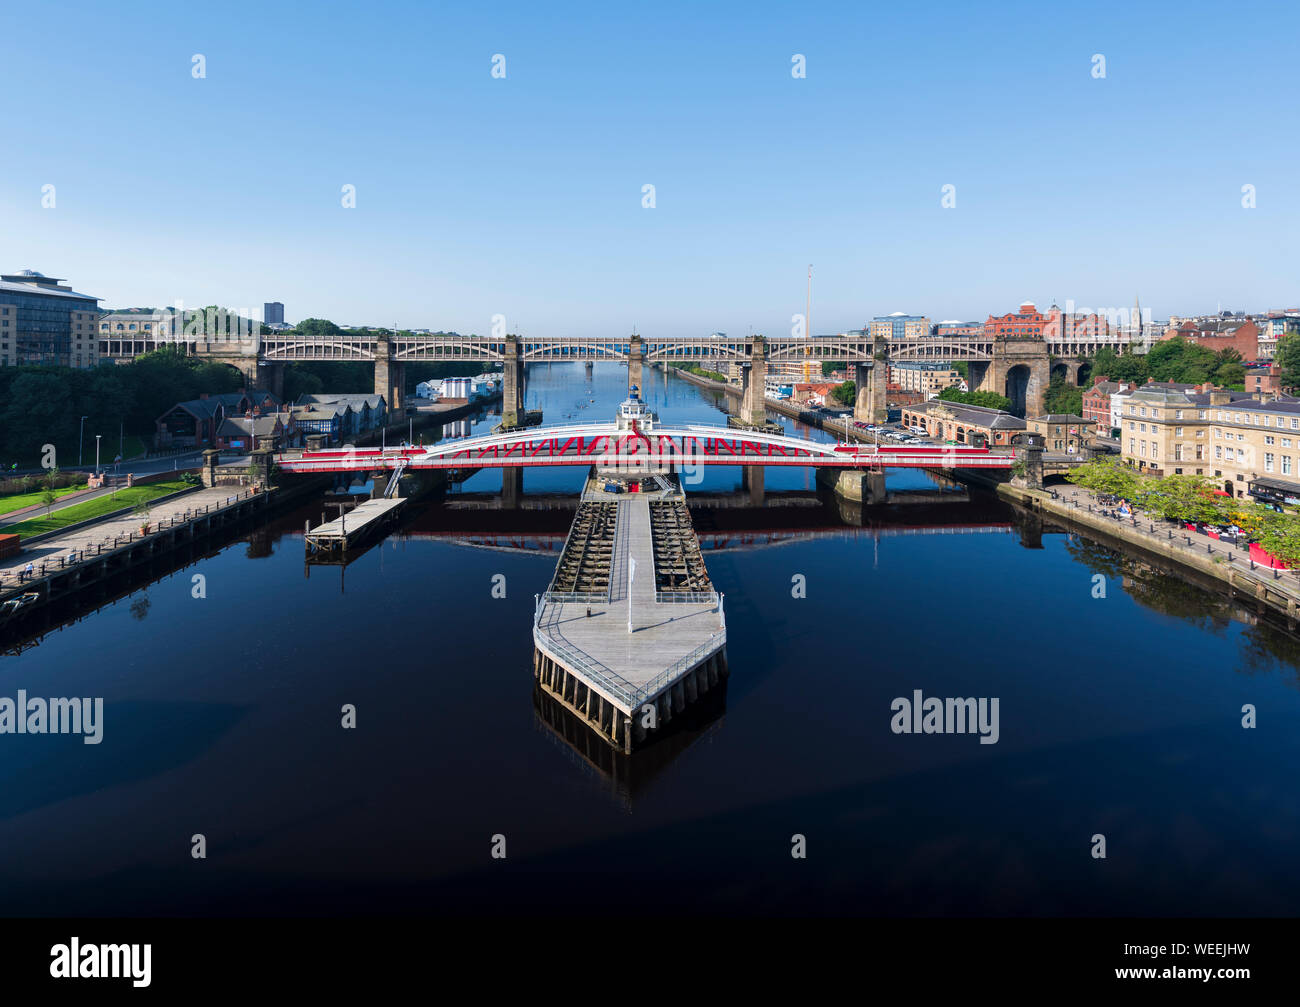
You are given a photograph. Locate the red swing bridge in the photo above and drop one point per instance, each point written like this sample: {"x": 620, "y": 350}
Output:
{"x": 634, "y": 448}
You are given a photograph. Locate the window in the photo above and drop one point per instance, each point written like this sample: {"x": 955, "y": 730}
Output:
{"x": 1218, "y": 451}
{"x": 1144, "y": 449}
{"x": 1200, "y": 452}
{"x": 1155, "y": 449}
{"x": 1178, "y": 452}
{"x": 1132, "y": 446}
{"x": 1178, "y": 414}
{"x": 1144, "y": 410}
{"x": 1295, "y": 423}
{"x": 1178, "y": 431}
{"x": 1286, "y": 465}
{"x": 1203, "y": 414}
{"x": 1144, "y": 427}
{"x": 1286, "y": 442}
{"x": 1268, "y": 461}
{"x": 1269, "y": 439}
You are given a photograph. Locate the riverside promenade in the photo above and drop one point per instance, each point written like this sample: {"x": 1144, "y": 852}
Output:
{"x": 1077, "y": 507}
{"x": 59, "y": 560}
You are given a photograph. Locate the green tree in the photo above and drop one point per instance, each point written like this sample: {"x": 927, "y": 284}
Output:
{"x": 992, "y": 400}
{"x": 1120, "y": 367}
{"x": 1287, "y": 359}
{"x": 846, "y": 393}
{"x": 1106, "y": 475}
{"x": 1182, "y": 498}
{"x": 1281, "y": 537}
{"x": 1062, "y": 397}
{"x": 317, "y": 327}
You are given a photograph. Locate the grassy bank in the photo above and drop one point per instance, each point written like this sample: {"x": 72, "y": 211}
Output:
{"x": 98, "y": 507}
{"x": 17, "y": 501}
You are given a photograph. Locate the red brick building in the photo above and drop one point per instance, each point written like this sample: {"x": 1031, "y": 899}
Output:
{"x": 1261, "y": 381}
{"x": 1096, "y": 402}
{"x": 1028, "y": 321}
{"x": 1223, "y": 334}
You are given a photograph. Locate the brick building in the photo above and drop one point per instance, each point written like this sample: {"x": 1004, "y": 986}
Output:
{"x": 958, "y": 423}
{"x": 1096, "y": 403}
{"x": 1220, "y": 334}
{"x": 1028, "y": 321}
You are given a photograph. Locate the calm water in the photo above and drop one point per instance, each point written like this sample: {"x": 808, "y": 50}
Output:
{"x": 1119, "y": 716}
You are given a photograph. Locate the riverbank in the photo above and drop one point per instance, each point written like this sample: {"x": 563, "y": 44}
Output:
{"x": 1230, "y": 566}
{"x": 775, "y": 405}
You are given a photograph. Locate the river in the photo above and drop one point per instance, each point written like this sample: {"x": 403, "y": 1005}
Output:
{"x": 1120, "y": 716}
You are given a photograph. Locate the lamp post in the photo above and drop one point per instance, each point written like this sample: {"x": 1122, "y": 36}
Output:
{"x": 81, "y": 440}
{"x": 97, "y": 437}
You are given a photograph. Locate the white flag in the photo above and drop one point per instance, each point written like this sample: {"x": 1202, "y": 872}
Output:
{"x": 631, "y": 571}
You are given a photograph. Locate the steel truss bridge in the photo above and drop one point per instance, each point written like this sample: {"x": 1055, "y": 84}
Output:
{"x": 606, "y": 446}
{"x": 945, "y": 348}
{"x": 365, "y": 346}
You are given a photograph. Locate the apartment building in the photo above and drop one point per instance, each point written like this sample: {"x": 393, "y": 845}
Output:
{"x": 1248, "y": 447}
{"x": 899, "y": 326}
{"x": 44, "y": 321}
{"x": 924, "y": 377}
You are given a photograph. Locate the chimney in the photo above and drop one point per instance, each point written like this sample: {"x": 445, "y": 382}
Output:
{"x": 1220, "y": 397}
{"x": 1099, "y": 379}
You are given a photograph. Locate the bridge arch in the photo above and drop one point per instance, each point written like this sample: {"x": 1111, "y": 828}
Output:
{"x": 1016, "y": 387}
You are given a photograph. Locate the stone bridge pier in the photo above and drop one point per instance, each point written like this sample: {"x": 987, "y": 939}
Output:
{"x": 390, "y": 377}
{"x": 1020, "y": 370}
{"x": 753, "y": 398}
{"x": 635, "y": 363}
{"x": 512, "y": 385}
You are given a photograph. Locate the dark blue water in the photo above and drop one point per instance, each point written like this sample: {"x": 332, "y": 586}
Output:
{"x": 1119, "y": 716}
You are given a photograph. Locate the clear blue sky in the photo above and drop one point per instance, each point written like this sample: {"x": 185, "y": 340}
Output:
{"x": 478, "y": 196}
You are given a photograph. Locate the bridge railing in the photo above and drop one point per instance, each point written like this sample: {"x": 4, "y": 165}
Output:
{"x": 715, "y": 642}
{"x": 574, "y": 597}
{"x": 687, "y": 597}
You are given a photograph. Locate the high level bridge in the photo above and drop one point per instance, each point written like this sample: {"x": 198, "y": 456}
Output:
{"x": 1020, "y": 367}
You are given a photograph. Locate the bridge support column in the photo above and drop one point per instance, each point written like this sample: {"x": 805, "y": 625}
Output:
{"x": 383, "y": 381}
{"x": 854, "y": 485}
{"x": 870, "y": 406}
{"x": 752, "y": 479}
{"x": 512, "y": 386}
{"x": 753, "y": 398}
{"x": 512, "y": 486}
{"x": 270, "y": 377}
{"x": 635, "y": 363}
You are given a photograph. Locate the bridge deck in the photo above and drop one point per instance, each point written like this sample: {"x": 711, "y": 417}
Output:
{"x": 630, "y": 669}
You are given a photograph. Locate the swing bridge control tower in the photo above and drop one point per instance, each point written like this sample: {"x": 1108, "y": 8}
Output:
{"x": 630, "y": 632}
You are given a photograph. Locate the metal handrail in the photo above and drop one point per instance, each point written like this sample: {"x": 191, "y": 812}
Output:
{"x": 686, "y": 597}
{"x": 716, "y": 641}
{"x": 574, "y": 597}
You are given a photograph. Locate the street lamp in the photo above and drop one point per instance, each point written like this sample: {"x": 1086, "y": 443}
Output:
{"x": 97, "y": 437}
{"x": 81, "y": 440}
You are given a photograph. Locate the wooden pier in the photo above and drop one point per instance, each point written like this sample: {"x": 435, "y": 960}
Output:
{"x": 351, "y": 527}
{"x": 627, "y": 652}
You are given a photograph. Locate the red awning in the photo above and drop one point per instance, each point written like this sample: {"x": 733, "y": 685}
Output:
{"x": 1221, "y": 493}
